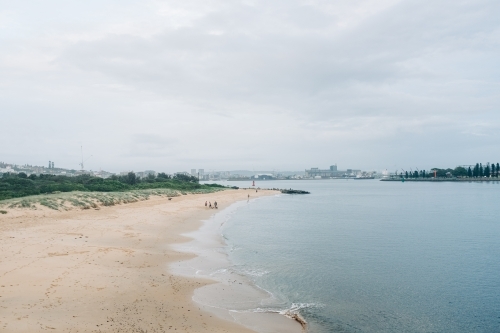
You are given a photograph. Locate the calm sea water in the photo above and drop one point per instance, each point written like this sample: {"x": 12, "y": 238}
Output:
{"x": 371, "y": 256}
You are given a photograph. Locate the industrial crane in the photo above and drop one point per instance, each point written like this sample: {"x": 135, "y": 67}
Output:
{"x": 81, "y": 164}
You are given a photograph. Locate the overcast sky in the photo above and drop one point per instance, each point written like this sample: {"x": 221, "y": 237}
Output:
{"x": 284, "y": 85}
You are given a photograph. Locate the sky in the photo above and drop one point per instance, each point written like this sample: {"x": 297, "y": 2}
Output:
{"x": 255, "y": 85}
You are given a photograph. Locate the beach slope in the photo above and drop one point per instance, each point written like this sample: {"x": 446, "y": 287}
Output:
{"x": 105, "y": 269}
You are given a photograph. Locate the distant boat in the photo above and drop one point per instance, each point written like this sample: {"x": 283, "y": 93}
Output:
{"x": 364, "y": 177}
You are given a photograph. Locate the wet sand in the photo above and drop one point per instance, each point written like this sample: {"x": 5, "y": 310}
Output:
{"x": 106, "y": 270}
{"x": 235, "y": 296}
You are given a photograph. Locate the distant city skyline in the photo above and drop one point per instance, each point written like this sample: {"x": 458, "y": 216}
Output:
{"x": 225, "y": 174}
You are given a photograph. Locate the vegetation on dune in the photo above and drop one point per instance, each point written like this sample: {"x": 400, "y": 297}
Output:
{"x": 88, "y": 200}
{"x": 21, "y": 185}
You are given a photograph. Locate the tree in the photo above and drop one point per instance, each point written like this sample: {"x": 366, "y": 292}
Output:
{"x": 498, "y": 168}
{"x": 415, "y": 174}
{"x": 423, "y": 174}
{"x": 481, "y": 172}
{"x": 150, "y": 178}
{"x": 163, "y": 175}
{"x": 440, "y": 173}
{"x": 22, "y": 175}
{"x": 406, "y": 174}
{"x": 487, "y": 170}
{"x": 475, "y": 172}
{"x": 469, "y": 173}
{"x": 493, "y": 170}
{"x": 185, "y": 178}
{"x": 131, "y": 178}
{"x": 459, "y": 172}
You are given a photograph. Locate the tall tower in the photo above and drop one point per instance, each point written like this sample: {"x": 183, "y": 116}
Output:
{"x": 52, "y": 167}
{"x": 193, "y": 172}
{"x": 50, "y": 164}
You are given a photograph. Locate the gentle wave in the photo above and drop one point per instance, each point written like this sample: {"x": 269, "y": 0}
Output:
{"x": 219, "y": 271}
{"x": 251, "y": 272}
{"x": 293, "y": 312}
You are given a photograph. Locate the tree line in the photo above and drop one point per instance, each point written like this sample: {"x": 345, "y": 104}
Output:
{"x": 477, "y": 171}
{"x": 20, "y": 185}
{"x": 132, "y": 179}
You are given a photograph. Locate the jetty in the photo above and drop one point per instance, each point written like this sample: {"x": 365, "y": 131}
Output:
{"x": 290, "y": 191}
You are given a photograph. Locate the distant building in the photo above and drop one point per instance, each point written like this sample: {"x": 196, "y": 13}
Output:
{"x": 318, "y": 173}
{"x": 201, "y": 172}
{"x": 7, "y": 169}
{"x": 263, "y": 177}
{"x": 50, "y": 164}
{"x": 193, "y": 173}
{"x": 103, "y": 174}
{"x": 145, "y": 174}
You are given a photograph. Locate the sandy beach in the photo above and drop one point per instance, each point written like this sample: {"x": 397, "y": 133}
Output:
{"x": 105, "y": 269}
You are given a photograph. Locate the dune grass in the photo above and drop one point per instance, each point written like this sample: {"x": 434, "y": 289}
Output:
{"x": 93, "y": 200}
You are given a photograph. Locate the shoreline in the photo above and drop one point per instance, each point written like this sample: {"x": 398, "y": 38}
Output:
{"x": 105, "y": 269}
{"x": 233, "y": 296}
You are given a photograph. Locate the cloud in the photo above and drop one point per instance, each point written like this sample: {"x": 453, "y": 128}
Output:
{"x": 145, "y": 144}
{"x": 252, "y": 77}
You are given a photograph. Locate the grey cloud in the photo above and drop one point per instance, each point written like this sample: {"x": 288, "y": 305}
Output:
{"x": 266, "y": 68}
{"x": 153, "y": 141}
{"x": 298, "y": 71}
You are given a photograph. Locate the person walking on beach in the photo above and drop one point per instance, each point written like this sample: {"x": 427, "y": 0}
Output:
{"x": 209, "y": 205}
{"x": 205, "y": 204}
{"x": 215, "y": 205}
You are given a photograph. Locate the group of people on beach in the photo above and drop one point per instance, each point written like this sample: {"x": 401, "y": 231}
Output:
{"x": 209, "y": 205}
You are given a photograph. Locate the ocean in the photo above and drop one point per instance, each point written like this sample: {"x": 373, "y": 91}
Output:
{"x": 371, "y": 256}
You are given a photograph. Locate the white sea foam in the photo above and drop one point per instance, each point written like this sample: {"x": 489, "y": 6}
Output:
{"x": 294, "y": 308}
{"x": 219, "y": 271}
{"x": 293, "y": 312}
{"x": 249, "y": 271}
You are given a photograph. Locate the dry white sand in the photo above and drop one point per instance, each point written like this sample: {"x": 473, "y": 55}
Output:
{"x": 105, "y": 270}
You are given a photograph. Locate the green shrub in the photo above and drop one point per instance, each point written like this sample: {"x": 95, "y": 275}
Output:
{"x": 90, "y": 192}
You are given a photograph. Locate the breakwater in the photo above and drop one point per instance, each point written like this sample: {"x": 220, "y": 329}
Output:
{"x": 290, "y": 191}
